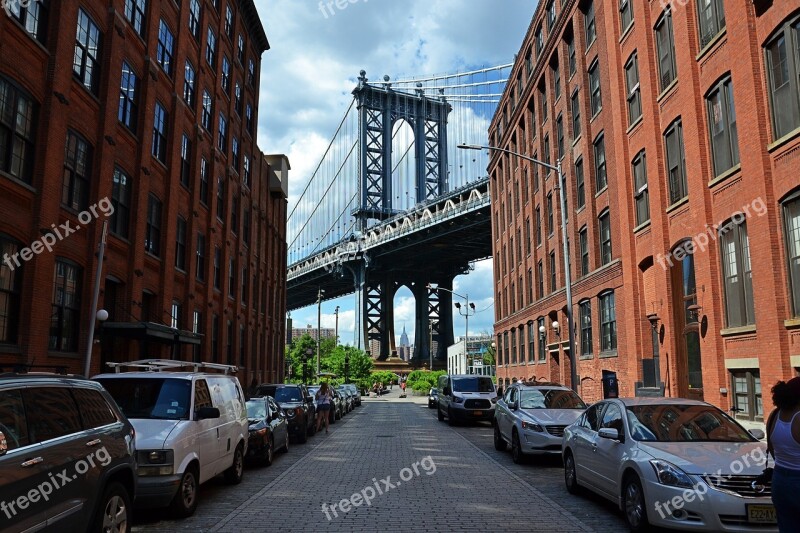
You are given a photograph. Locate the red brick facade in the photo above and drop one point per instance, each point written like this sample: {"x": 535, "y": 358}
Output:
{"x": 760, "y": 185}
{"x": 139, "y": 285}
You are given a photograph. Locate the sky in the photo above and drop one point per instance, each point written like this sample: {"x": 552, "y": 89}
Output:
{"x": 317, "y": 51}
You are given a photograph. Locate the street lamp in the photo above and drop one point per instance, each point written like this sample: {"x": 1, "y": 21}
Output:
{"x": 567, "y": 271}
{"x": 319, "y": 323}
{"x": 336, "y": 312}
{"x": 466, "y": 314}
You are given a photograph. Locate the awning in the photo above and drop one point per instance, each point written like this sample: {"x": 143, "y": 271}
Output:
{"x": 150, "y": 331}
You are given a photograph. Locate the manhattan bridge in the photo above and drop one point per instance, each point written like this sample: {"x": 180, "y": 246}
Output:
{"x": 395, "y": 203}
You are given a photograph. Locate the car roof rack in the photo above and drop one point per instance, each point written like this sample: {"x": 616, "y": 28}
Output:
{"x": 157, "y": 365}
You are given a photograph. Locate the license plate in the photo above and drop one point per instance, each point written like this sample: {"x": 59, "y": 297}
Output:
{"x": 761, "y": 514}
{"x": 477, "y": 413}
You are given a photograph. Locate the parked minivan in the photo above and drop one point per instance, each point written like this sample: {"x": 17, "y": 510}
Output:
{"x": 466, "y": 397}
{"x": 190, "y": 427}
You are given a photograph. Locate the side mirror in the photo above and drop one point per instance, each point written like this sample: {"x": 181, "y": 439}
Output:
{"x": 758, "y": 433}
{"x": 609, "y": 433}
{"x": 446, "y": 391}
{"x": 3, "y": 444}
{"x": 205, "y": 413}
{"x": 514, "y": 405}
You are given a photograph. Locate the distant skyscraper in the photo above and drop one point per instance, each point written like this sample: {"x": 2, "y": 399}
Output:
{"x": 404, "y": 349}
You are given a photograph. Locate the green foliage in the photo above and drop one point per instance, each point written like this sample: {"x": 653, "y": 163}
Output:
{"x": 332, "y": 360}
{"x": 426, "y": 378}
{"x": 421, "y": 386}
{"x": 383, "y": 376}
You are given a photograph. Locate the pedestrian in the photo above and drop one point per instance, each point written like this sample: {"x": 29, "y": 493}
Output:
{"x": 783, "y": 442}
{"x": 324, "y": 399}
{"x": 403, "y": 386}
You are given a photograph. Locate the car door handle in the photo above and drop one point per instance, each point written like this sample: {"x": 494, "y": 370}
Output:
{"x": 594, "y": 446}
{"x": 94, "y": 442}
{"x": 31, "y": 462}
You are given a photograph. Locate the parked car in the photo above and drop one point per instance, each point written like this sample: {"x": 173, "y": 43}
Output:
{"x": 354, "y": 390}
{"x": 338, "y": 410}
{"x": 298, "y": 404}
{"x": 531, "y": 417}
{"x": 269, "y": 429}
{"x": 190, "y": 427}
{"x": 347, "y": 395}
{"x": 433, "y": 397}
{"x": 56, "y": 425}
{"x": 334, "y": 413}
{"x": 673, "y": 463}
{"x": 466, "y": 397}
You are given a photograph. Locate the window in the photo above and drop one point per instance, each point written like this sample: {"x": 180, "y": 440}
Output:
{"x": 246, "y": 171}
{"x": 231, "y": 278}
{"x": 539, "y": 41}
{"x": 152, "y": 237}
{"x": 528, "y": 236}
{"x": 175, "y": 315}
{"x": 634, "y": 90}
{"x": 538, "y": 226}
{"x": 207, "y": 111}
{"x": 165, "y": 50}
{"x": 552, "y": 265}
{"x": 722, "y": 123}
{"x": 783, "y": 70}
{"x": 513, "y": 335}
{"x": 248, "y": 115}
{"x": 737, "y": 275}
{"x": 583, "y": 242}
{"x": 31, "y": 15}
{"x": 229, "y": 21}
{"x": 180, "y": 244}
{"x": 605, "y": 238}
{"x": 240, "y": 49}
{"x": 214, "y": 339}
{"x": 746, "y": 385}
{"x": 576, "y": 115}
{"x": 626, "y": 13}
{"x": 77, "y": 172}
{"x": 243, "y": 284}
{"x": 128, "y": 97}
{"x": 226, "y": 75}
{"x": 94, "y": 410}
{"x": 586, "y": 328}
{"x": 601, "y": 176}
{"x": 551, "y": 15}
{"x": 235, "y": 157}
{"x": 217, "y": 267}
{"x": 10, "y": 287}
{"x": 197, "y": 329}
{"x": 676, "y": 166}
{"x": 560, "y": 136}
{"x": 120, "y": 201}
{"x": 531, "y": 343}
{"x": 556, "y": 82}
{"x": 543, "y": 99}
{"x": 546, "y": 150}
{"x": 194, "y": 19}
{"x": 540, "y": 280}
{"x": 580, "y": 184}
{"x": 542, "y": 340}
{"x": 204, "y": 181}
{"x": 246, "y": 226}
{"x": 530, "y": 286}
{"x": 666, "y": 49}
{"x": 712, "y": 19}
{"x": 241, "y": 345}
{"x": 596, "y": 99}
{"x": 251, "y": 73}
{"x": 521, "y": 333}
{"x": 86, "y": 62}
{"x": 641, "y": 194}
{"x": 186, "y": 157}
{"x": 222, "y": 134}
{"x": 188, "y": 85}
{"x": 791, "y": 217}
{"x": 17, "y": 119}
{"x": 56, "y": 414}
{"x": 608, "y": 323}
{"x": 550, "y": 225}
{"x": 200, "y": 258}
{"x": 220, "y": 199}
{"x": 65, "y": 317}
{"x": 159, "y": 147}
{"x": 571, "y": 55}
{"x": 237, "y": 98}
{"x": 588, "y": 21}
{"x": 234, "y": 211}
{"x": 211, "y": 47}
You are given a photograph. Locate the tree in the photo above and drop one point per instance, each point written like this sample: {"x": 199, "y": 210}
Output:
{"x": 348, "y": 361}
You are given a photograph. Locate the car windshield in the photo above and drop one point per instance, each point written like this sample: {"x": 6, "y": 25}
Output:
{"x": 282, "y": 394}
{"x": 684, "y": 423}
{"x": 151, "y": 398}
{"x": 476, "y": 384}
{"x": 256, "y": 409}
{"x": 312, "y": 390}
{"x": 550, "y": 399}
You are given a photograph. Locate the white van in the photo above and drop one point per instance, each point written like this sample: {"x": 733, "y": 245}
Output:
{"x": 190, "y": 427}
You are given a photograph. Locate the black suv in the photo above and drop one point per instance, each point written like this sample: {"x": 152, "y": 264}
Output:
{"x": 298, "y": 404}
{"x": 67, "y": 457}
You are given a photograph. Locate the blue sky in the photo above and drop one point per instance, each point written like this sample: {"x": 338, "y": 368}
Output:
{"x": 308, "y": 75}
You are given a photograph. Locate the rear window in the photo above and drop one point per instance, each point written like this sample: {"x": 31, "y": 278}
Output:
{"x": 282, "y": 394}
{"x": 476, "y": 384}
{"x": 151, "y": 398}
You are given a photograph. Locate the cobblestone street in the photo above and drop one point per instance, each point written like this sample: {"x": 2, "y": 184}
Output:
{"x": 465, "y": 485}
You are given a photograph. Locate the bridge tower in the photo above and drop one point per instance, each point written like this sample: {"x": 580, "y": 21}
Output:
{"x": 379, "y": 108}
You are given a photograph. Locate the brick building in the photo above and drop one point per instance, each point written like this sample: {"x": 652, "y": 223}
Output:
{"x": 678, "y": 128}
{"x": 147, "y": 109}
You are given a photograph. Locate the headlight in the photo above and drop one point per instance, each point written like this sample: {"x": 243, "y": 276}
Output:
{"x": 458, "y": 399}
{"x": 155, "y": 462}
{"x": 262, "y": 431}
{"x": 670, "y": 475}
{"x": 494, "y": 400}
{"x": 533, "y": 426}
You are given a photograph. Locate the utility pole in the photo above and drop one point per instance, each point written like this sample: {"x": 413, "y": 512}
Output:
{"x": 319, "y": 325}
{"x": 336, "y": 311}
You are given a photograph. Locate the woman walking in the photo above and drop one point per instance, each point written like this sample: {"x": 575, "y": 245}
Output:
{"x": 324, "y": 399}
{"x": 783, "y": 432}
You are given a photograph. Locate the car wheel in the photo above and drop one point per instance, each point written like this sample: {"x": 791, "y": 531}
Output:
{"x": 450, "y": 420}
{"x": 439, "y": 414}
{"x": 570, "y": 474}
{"x": 233, "y": 475}
{"x": 516, "y": 448}
{"x": 499, "y": 443}
{"x": 114, "y": 510}
{"x": 633, "y": 504}
{"x": 269, "y": 453}
{"x": 285, "y": 448}
{"x": 185, "y": 501}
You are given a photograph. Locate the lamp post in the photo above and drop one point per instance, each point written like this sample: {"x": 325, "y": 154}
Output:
{"x": 466, "y": 314}
{"x": 430, "y": 346}
{"x": 336, "y": 312}
{"x": 567, "y": 271}
{"x": 319, "y": 324}
{"x": 309, "y": 353}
